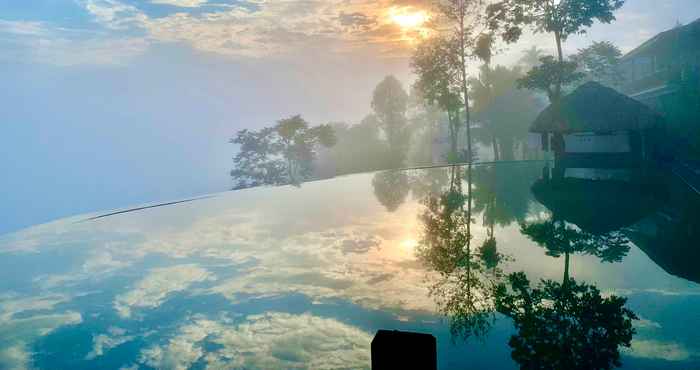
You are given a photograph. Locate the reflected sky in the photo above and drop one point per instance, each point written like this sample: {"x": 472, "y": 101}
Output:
{"x": 302, "y": 277}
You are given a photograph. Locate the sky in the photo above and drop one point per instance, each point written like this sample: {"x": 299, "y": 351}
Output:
{"x": 113, "y": 103}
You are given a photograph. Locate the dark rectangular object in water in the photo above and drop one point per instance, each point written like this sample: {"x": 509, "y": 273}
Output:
{"x": 403, "y": 350}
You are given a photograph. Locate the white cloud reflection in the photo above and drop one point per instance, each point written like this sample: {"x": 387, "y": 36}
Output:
{"x": 269, "y": 341}
{"x": 157, "y": 285}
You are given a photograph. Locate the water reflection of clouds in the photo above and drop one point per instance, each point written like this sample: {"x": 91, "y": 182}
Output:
{"x": 661, "y": 350}
{"x": 330, "y": 241}
{"x": 150, "y": 292}
{"x": 272, "y": 340}
{"x": 23, "y": 320}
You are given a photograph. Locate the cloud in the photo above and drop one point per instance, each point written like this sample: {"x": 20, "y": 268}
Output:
{"x": 99, "y": 264}
{"x": 104, "y": 342}
{"x": 15, "y": 357}
{"x": 17, "y": 335}
{"x": 39, "y": 42}
{"x": 157, "y": 285}
{"x": 114, "y": 14}
{"x": 356, "y": 20}
{"x": 271, "y": 341}
{"x": 10, "y": 304}
{"x": 22, "y": 28}
{"x": 181, "y": 3}
{"x": 96, "y": 51}
{"x": 254, "y": 29}
{"x": 654, "y": 349}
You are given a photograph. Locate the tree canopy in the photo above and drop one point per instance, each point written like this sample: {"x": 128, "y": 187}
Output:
{"x": 281, "y": 154}
{"x": 390, "y": 103}
{"x": 564, "y": 326}
{"x": 561, "y": 18}
{"x": 600, "y": 62}
{"x": 549, "y": 76}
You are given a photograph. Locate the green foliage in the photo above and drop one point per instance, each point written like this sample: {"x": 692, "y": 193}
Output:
{"x": 436, "y": 64}
{"x": 358, "y": 149}
{"x": 600, "y": 62}
{"x": 390, "y": 103}
{"x": 462, "y": 289}
{"x": 278, "y": 155}
{"x": 483, "y": 47}
{"x": 565, "y": 17}
{"x": 561, "y": 18}
{"x": 502, "y": 192}
{"x": 489, "y": 253}
{"x": 559, "y": 239}
{"x": 550, "y": 74}
{"x": 504, "y": 113}
{"x": 256, "y": 162}
{"x": 530, "y": 58}
{"x": 564, "y": 326}
{"x": 391, "y": 188}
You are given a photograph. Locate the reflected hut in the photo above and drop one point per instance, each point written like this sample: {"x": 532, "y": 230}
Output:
{"x": 597, "y": 123}
{"x": 596, "y": 206}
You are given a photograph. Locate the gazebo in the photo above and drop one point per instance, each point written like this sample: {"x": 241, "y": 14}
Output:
{"x": 597, "y": 121}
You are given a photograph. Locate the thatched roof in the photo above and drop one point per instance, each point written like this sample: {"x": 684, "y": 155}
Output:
{"x": 594, "y": 107}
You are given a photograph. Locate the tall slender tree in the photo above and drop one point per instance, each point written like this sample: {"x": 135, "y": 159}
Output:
{"x": 437, "y": 65}
{"x": 463, "y": 22}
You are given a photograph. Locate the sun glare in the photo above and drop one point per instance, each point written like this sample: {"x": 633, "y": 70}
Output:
{"x": 409, "y": 244}
{"x": 408, "y": 17}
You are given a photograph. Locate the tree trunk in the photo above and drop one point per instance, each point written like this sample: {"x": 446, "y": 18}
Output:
{"x": 560, "y": 55}
{"x": 566, "y": 270}
{"x": 463, "y": 70}
{"x": 495, "y": 148}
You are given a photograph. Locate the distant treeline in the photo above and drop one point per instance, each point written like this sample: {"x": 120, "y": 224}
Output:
{"x": 407, "y": 129}
{"x": 448, "y": 115}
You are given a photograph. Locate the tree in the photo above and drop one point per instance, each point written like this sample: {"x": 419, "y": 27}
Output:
{"x": 561, "y": 239}
{"x": 389, "y": 103}
{"x": 257, "y": 162}
{"x": 561, "y": 18}
{"x": 564, "y": 326}
{"x": 600, "y": 62}
{"x": 437, "y": 66}
{"x": 550, "y": 76}
{"x": 281, "y": 154}
{"x": 462, "y": 289}
{"x": 462, "y": 25}
{"x": 530, "y": 58}
{"x": 504, "y": 112}
{"x": 359, "y": 149}
{"x": 391, "y": 188}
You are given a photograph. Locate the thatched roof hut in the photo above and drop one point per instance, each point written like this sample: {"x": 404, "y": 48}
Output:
{"x": 595, "y": 108}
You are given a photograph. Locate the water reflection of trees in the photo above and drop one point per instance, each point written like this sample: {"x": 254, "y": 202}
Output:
{"x": 391, "y": 188}
{"x": 559, "y": 238}
{"x": 559, "y": 325}
{"x": 565, "y": 325}
{"x": 463, "y": 287}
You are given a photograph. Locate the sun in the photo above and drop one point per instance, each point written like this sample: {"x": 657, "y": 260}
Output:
{"x": 408, "y": 18}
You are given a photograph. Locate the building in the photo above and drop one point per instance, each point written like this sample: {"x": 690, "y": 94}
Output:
{"x": 597, "y": 122}
{"x": 655, "y": 69}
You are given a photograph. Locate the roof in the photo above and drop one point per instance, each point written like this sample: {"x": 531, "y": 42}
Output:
{"x": 594, "y": 108}
{"x": 666, "y": 41}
